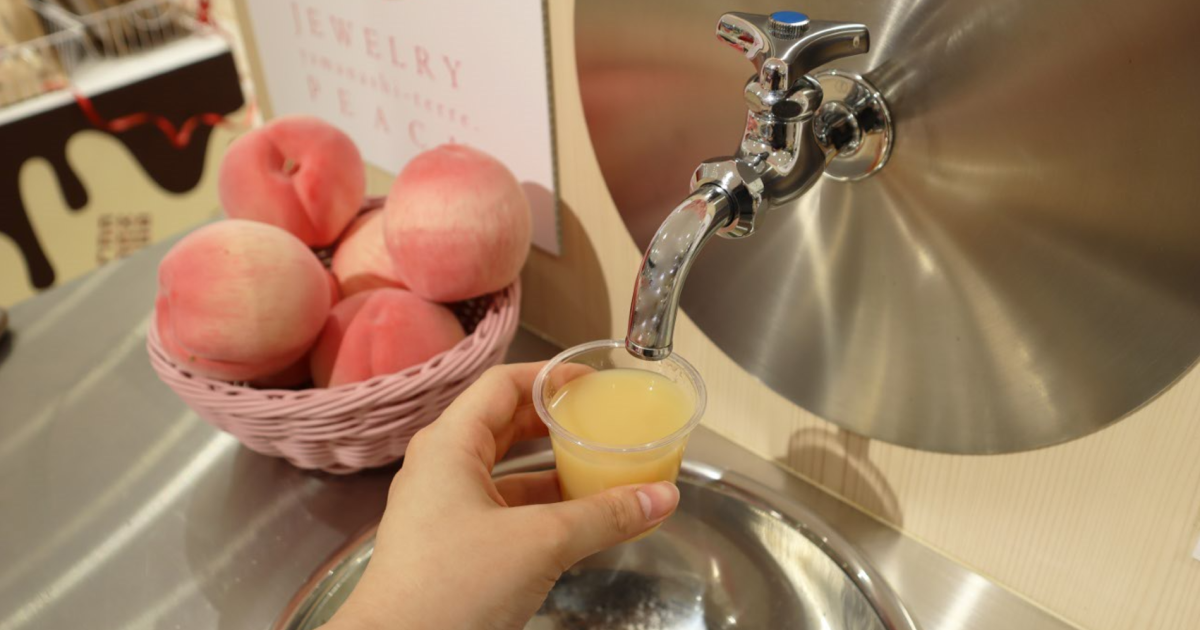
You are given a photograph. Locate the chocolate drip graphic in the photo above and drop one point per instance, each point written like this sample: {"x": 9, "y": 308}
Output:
{"x": 209, "y": 85}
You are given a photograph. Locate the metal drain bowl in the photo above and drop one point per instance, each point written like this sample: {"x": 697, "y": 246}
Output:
{"x": 734, "y": 556}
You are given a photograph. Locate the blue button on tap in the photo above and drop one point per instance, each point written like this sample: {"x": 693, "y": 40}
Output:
{"x": 788, "y": 24}
{"x": 791, "y": 18}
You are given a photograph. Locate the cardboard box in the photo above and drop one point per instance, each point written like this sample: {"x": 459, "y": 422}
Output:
{"x": 73, "y": 197}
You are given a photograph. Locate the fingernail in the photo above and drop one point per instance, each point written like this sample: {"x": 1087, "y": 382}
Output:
{"x": 658, "y": 499}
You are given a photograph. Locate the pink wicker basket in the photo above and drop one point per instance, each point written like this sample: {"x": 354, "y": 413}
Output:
{"x": 360, "y": 425}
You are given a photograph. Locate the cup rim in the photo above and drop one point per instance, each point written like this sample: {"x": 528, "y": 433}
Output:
{"x": 548, "y": 419}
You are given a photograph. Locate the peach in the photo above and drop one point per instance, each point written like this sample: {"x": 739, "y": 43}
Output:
{"x": 298, "y": 173}
{"x": 361, "y": 261}
{"x": 381, "y": 332}
{"x": 456, "y": 224}
{"x": 240, "y": 300}
{"x": 335, "y": 289}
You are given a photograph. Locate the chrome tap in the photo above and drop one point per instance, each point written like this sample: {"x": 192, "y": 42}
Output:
{"x": 793, "y": 135}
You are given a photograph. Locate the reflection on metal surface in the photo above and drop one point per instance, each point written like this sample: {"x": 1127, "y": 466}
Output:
{"x": 728, "y": 559}
{"x": 665, "y": 267}
{"x": 719, "y": 563}
{"x": 858, "y": 111}
{"x": 114, "y": 543}
{"x": 1024, "y": 271}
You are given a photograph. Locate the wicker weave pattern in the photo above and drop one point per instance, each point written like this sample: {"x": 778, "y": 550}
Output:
{"x": 359, "y": 425}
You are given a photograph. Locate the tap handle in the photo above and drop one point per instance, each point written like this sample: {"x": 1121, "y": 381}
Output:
{"x": 788, "y": 45}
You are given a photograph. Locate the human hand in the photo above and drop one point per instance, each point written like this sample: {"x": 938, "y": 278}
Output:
{"x": 457, "y": 550}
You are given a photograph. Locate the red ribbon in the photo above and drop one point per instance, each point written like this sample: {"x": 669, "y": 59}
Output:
{"x": 178, "y": 137}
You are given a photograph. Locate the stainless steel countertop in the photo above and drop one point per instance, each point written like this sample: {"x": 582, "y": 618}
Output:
{"x": 120, "y": 508}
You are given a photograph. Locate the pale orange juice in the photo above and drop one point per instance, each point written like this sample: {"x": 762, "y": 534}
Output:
{"x": 615, "y": 410}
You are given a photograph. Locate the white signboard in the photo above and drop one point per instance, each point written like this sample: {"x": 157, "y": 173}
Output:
{"x": 401, "y": 76}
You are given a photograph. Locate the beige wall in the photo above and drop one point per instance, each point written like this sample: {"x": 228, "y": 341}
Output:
{"x": 1099, "y": 531}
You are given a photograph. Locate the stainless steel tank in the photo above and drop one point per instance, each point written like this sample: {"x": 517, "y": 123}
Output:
{"x": 1024, "y": 270}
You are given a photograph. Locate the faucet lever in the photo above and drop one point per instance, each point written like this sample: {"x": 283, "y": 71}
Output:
{"x": 786, "y": 45}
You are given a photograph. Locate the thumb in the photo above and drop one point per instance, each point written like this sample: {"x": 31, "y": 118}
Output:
{"x": 600, "y": 521}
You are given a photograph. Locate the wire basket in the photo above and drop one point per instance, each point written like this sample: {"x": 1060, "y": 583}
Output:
{"x": 126, "y": 28}
{"x": 348, "y": 428}
{"x": 40, "y": 64}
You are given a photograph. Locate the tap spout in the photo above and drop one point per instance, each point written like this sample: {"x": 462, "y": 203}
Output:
{"x": 665, "y": 267}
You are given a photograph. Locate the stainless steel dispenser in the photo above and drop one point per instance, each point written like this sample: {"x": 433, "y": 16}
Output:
{"x": 1004, "y": 252}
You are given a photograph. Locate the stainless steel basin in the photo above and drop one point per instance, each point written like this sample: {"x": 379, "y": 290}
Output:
{"x": 737, "y": 555}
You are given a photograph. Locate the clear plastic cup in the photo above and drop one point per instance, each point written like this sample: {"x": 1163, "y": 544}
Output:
{"x": 586, "y": 467}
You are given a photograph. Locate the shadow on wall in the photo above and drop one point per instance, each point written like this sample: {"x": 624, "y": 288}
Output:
{"x": 839, "y": 461}
{"x": 565, "y": 298}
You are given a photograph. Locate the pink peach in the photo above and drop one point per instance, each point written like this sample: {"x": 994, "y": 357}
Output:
{"x": 361, "y": 261}
{"x": 335, "y": 290}
{"x": 298, "y": 173}
{"x": 240, "y": 300}
{"x": 456, "y": 224}
{"x": 323, "y": 357}
{"x": 381, "y": 332}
